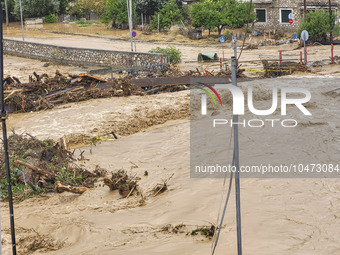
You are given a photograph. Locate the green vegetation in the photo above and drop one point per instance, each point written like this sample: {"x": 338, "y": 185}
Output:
{"x": 318, "y": 24}
{"x": 55, "y": 162}
{"x": 83, "y": 7}
{"x": 206, "y": 231}
{"x": 168, "y": 15}
{"x": 175, "y": 54}
{"x": 220, "y": 13}
{"x": 116, "y": 11}
{"x": 40, "y": 8}
{"x": 336, "y": 30}
{"x": 50, "y": 18}
{"x": 148, "y": 7}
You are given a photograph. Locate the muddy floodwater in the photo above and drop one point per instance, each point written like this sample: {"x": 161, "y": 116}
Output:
{"x": 279, "y": 216}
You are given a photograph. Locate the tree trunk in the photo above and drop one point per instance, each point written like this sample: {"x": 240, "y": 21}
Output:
{"x": 220, "y": 30}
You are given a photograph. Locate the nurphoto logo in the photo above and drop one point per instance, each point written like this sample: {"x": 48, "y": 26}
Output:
{"x": 238, "y": 107}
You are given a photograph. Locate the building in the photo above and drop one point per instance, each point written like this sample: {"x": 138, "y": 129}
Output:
{"x": 274, "y": 14}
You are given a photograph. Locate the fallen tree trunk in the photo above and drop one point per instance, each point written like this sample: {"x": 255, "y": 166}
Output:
{"x": 60, "y": 187}
{"x": 44, "y": 173}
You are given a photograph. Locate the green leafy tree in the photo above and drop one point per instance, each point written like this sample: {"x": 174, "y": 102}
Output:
{"x": 220, "y": 13}
{"x": 87, "y": 6}
{"x": 40, "y": 8}
{"x": 205, "y": 15}
{"x": 148, "y": 7}
{"x": 10, "y": 5}
{"x": 116, "y": 10}
{"x": 168, "y": 15}
{"x": 318, "y": 24}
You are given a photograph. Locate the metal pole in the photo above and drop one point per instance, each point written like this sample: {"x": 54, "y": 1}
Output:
{"x": 330, "y": 20}
{"x": 130, "y": 22}
{"x": 237, "y": 165}
{"x": 22, "y": 22}
{"x": 3, "y": 115}
{"x": 304, "y": 47}
{"x": 142, "y": 22}
{"x": 135, "y": 44}
{"x": 6, "y": 10}
{"x": 222, "y": 55}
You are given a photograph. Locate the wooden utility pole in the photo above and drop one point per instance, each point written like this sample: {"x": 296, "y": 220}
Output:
{"x": 330, "y": 20}
{"x": 304, "y": 8}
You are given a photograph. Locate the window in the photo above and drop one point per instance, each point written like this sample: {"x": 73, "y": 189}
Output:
{"x": 261, "y": 15}
{"x": 284, "y": 15}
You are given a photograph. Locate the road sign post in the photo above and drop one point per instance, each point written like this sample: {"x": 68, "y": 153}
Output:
{"x": 222, "y": 40}
{"x": 304, "y": 36}
{"x": 134, "y": 34}
{"x": 291, "y": 21}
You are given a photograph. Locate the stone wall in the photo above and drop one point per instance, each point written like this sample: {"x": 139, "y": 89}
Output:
{"x": 81, "y": 56}
{"x": 273, "y": 12}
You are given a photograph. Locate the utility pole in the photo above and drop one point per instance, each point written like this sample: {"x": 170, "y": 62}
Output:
{"x": 304, "y": 8}
{"x": 22, "y": 22}
{"x": 6, "y": 10}
{"x": 330, "y": 20}
{"x": 129, "y": 11}
{"x": 3, "y": 116}
{"x": 236, "y": 155}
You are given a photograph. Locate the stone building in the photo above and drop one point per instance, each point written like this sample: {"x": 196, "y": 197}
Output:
{"x": 274, "y": 14}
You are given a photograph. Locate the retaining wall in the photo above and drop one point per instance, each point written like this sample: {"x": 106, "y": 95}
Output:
{"x": 82, "y": 56}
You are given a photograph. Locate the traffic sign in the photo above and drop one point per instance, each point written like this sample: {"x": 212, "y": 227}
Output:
{"x": 304, "y": 35}
{"x": 222, "y": 39}
{"x": 291, "y": 16}
{"x": 291, "y": 21}
{"x": 134, "y": 34}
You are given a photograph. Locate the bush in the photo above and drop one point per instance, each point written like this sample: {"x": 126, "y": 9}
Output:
{"x": 50, "y": 18}
{"x": 336, "y": 30}
{"x": 318, "y": 24}
{"x": 175, "y": 54}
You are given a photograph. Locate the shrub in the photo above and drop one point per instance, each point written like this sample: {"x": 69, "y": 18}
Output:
{"x": 175, "y": 54}
{"x": 50, "y": 18}
{"x": 336, "y": 30}
{"x": 318, "y": 24}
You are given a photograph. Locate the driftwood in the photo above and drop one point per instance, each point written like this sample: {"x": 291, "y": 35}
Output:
{"x": 73, "y": 189}
{"x": 160, "y": 188}
{"x": 45, "y": 174}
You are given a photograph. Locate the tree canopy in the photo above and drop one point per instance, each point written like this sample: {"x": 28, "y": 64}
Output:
{"x": 116, "y": 10}
{"x": 148, "y": 7}
{"x": 168, "y": 15}
{"x": 220, "y": 13}
{"x": 40, "y": 8}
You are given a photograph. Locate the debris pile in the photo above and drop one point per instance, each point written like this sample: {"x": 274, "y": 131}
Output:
{"x": 43, "y": 92}
{"x": 44, "y": 166}
{"x": 125, "y": 184}
{"x": 273, "y": 69}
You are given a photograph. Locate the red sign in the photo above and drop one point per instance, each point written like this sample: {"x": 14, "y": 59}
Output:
{"x": 290, "y": 21}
